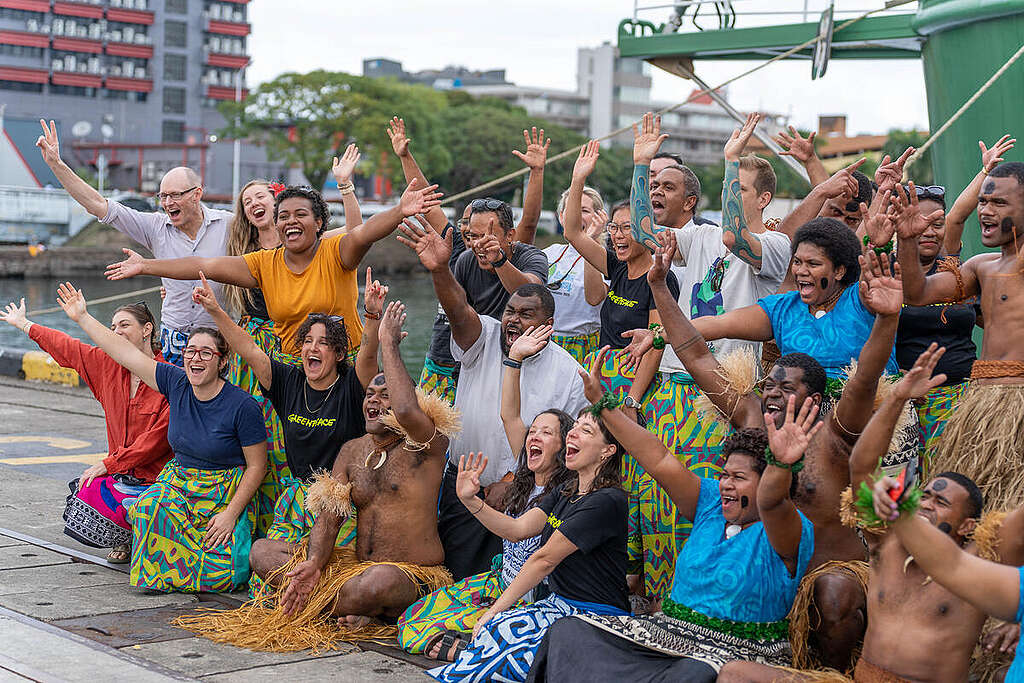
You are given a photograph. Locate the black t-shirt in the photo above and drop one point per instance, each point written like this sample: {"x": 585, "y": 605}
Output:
{"x": 312, "y": 438}
{"x": 257, "y": 307}
{"x": 440, "y": 338}
{"x": 950, "y": 325}
{"x": 597, "y": 525}
{"x": 629, "y": 302}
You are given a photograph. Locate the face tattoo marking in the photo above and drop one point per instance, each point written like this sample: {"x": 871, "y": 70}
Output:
{"x": 939, "y": 485}
{"x": 1006, "y": 225}
{"x": 990, "y": 187}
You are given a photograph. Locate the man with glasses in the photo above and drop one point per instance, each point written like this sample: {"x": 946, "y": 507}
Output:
{"x": 185, "y": 228}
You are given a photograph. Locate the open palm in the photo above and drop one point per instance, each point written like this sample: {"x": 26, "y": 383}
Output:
{"x": 881, "y": 285}
{"x": 789, "y": 442}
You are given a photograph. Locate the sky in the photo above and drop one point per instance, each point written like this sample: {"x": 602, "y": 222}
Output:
{"x": 536, "y": 42}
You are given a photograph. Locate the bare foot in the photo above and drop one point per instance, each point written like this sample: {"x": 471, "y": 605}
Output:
{"x": 358, "y": 620}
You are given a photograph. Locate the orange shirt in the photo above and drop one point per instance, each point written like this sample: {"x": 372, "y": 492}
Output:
{"x": 325, "y": 286}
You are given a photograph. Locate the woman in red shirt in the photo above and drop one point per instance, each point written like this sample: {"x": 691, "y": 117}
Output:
{"x": 136, "y": 417}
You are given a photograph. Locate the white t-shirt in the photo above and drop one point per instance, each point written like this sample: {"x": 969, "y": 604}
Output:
{"x": 573, "y": 315}
{"x": 713, "y": 280}
{"x": 549, "y": 379}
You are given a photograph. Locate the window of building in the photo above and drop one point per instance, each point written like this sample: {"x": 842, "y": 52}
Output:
{"x": 176, "y": 6}
{"x": 21, "y": 15}
{"x": 72, "y": 90}
{"x": 175, "y": 33}
{"x": 127, "y": 95}
{"x": 174, "y": 100}
{"x": 173, "y": 131}
{"x": 175, "y": 67}
{"x": 628, "y": 93}
{"x": 21, "y": 87}
{"x": 21, "y": 51}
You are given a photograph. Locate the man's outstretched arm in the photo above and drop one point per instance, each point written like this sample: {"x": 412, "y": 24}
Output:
{"x": 646, "y": 143}
{"x": 81, "y": 191}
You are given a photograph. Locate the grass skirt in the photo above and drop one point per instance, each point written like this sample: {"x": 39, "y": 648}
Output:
{"x": 169, "y": 521}
{"x": 579, "y": 346}
{"x": 984, "y": 440}
{"x": 256, "y": 627}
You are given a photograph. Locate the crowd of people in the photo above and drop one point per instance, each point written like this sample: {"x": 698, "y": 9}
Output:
{"x": 661, "y": 450}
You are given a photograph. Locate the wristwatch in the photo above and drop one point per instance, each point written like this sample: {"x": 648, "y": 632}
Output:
{"x": 631, "y": 402}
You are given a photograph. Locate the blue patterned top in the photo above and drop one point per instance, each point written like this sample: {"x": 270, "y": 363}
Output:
{"x": 834, "y": 340}
{"x": 742, "y": 578}
{"x": 1016, "y": 672}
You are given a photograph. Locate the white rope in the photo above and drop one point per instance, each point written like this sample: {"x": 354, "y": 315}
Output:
{"x": 697, "y": 94}
{"x": 103, "y": 300}
{"x": 964, "y": 107}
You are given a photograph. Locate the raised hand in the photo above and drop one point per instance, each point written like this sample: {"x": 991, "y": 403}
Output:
{"x": 130, "y": 267}
{"x": 663, "y": 255}
{"x": 536, "y": 149}
{"x": 597, "y": 225}
{"x": 640, "y": 342}
{"x": 990, "y": 158}
{"x": 530, "y": 342}
{"x": 432, "y": 251}
{"x": 220, "y": 530}
{"x": 71, "y": 300}
{"x": 647, "y": 140}
{"x": 592, "y": 388}
{"x": 14, "y": 315}
{"x": 919, "y": 381}
{"x": 842, "y": 181}
{"x": 789, "y": 442}
{"x": 203, "y": 295}
{"x": 416, "y": 201}
{"x": 889, "y": 173}
{"x": 878, "y": 220}
{"x": 885, "y": 507}
{"x": 391, "y": 323}
{"x": 396, "y": 132}
{"x": 344, "y": 168}
{"x": 881, "y": 283}
{"x": 301, "y": 582}
{"x": 907, "y": 217}
{"x": 490, "y": 246}
{"x": 793, "y": 145}
{"x": 587, "y": 160}
{"x": 374, "y": 294}
{"x": 48, "y": 143}
{"x": 467, "y": 481}
{"x": 737, "y": 142}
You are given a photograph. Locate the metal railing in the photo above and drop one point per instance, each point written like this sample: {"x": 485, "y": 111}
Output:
{"x": 702, "y": 15}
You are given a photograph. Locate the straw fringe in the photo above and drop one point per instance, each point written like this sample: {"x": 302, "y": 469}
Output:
{"x": 256, "y": 627}
{"x": 802, "y": 676}
{"x": 985, "y": 664}
{"x": 327, "y": 494}
{"x": 739, "y": 369}
{"x": 800, "y": 615}
{"x": 446, "y": 419}
{"x": 984, "y": 440}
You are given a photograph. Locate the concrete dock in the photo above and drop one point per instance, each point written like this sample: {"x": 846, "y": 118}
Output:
{"x": 67, "y": 620}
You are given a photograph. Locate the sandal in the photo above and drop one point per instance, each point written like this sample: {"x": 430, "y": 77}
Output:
{"x": 450, "y": 645}
{"x": 120, "y": 554}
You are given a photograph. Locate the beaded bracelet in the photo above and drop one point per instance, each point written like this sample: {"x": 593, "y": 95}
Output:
{"x": 658, "y": 343}
{"x": 607, "y": 402}
{"x": 770, "y": 459}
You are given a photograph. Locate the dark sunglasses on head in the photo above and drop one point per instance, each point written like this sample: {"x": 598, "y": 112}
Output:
{"x": 929, "y": 190}
{"x": 487, "y": 204}
{"x": 144, "y": 305}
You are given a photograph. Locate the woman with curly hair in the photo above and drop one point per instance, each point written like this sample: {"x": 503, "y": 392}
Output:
{"x": 439, "y": 625}
{"x": 582, "y": 555}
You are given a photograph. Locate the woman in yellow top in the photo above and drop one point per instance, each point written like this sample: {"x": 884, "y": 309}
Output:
{"x": 307, "y": 273}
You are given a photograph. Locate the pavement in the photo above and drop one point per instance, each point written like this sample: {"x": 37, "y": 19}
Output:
{"x": 63, "y": 620}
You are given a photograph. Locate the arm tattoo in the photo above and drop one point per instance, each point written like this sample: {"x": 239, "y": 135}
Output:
{"x": 745, "y": 245}
{"x": 641, "y": 215}
{"x": 682, "y": 346}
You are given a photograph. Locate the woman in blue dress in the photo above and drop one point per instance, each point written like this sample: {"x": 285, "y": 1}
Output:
{"x": 735, "y": 579}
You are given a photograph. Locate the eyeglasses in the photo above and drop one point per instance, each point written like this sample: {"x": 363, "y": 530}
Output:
{"x": 487, "y": 205}
{"x": 624, "y": 228}
{"x": 164, "y": 196}
{"x": 929, "y": 190}
{"x": 204, "y": 354}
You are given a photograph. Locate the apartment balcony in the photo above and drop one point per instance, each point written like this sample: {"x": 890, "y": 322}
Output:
{"x": 130, "y": 50}
{"x": 78, "y": 9}
{"x": 130, "y": 16}
{"x": 224, "y": 60}
{"x": 23, "y": 74}
{"x": 27, "y": 5}
{"x": 219, "y": 92}
{"x": 24, "y": 39}
{"x": 78, "y": 45}
{"x": 129, "y": 84}
{"x": 228, "y": 28}
{"x": 76, "y": 79}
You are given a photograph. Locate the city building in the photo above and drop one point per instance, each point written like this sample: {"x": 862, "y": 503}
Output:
{"x": 132, "y": 85}
{"x": 440, "y": 79}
